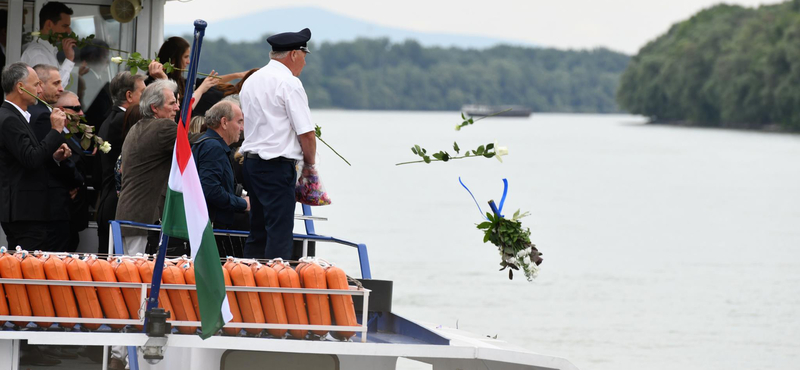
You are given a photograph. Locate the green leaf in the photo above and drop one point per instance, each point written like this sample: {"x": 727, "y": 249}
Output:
{"x": 480, "y": 150}
{"x": 455, "y": 147}
{"x": 426, "y": 159}
{"x": 484, "y": 225}
{"x": 470, "y": 121}
{"x": 438, "y": 156}
{"x": 445, "y": 156}
{"x": 318, "y": 131}
{"x": 489, "y": 146}
{"x": 414, "y": 150}
{"x": 134, "y": 69}
{"x": 136, "y": 55}
{"x": 488, "y": 154}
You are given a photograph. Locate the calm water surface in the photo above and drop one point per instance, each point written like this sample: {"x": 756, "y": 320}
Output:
{"x": 664, "y": 247}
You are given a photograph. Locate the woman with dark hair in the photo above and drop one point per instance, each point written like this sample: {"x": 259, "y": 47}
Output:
{"x": 176, "y": 51}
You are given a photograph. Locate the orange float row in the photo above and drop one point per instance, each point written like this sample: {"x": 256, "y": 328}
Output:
{"x": 125, "y": 303}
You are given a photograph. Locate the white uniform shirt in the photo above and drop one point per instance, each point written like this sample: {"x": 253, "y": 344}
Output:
{"x": 42, "y": 52}
{"x": 275, "y": 108}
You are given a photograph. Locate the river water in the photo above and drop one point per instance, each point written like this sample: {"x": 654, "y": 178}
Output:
{"x": 664, "y": 247}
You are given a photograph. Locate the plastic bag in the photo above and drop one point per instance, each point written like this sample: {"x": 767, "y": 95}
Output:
{"x": 309, "y": 189}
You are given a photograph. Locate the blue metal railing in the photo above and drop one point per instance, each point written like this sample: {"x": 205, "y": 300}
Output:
{"x": 363, "y": 257}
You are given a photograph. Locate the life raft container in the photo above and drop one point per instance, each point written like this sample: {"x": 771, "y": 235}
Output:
{"x": 110, "y": 298}
{"x": 271, "y": 303}
{"x": 344, "y": 311}
{"x": 319, "y": 310}
{"x": 18, "y": 303}
{"x": 180, "y": 298}
{"x": 38, "y": 295}
{"x": 249, "y": 304}
{"x": 88, "y": 302}
{"x": 233, "y": 304}
{"x": 62, "y": 296}
{"x": 293, "y": 302}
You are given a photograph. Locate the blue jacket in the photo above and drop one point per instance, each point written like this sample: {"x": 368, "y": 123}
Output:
{"x": 216, "y": 175}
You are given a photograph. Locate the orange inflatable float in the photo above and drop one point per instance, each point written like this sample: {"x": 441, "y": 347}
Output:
{"x": 180, "y": 298}
{"x": 38, "y": 295}
{"x": 249, "y": 305}
{"x": 88, "y": 303}
{"x": 271, "y": 303}
{"x": 233, "y": 304}
{"x": 343, "y": 309}
{"x": 319, "y": 310}
{"x": 146, "y": 274}
{"x": 62, "y": 296}
{"x": 188, "y": 276}
{"x": 126, "y": 272}
{"x": 3, "y": 302}
{"x": 295, "y": 307}
{"x": 110, "y": 298}
{"x": 18, "y": 304}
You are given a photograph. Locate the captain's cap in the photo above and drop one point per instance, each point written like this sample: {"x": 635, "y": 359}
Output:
{"x": 290, "y": 41}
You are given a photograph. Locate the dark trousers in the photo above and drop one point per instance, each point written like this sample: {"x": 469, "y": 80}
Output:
{"x": 30, "y": 235}
{"x": 58, "y": 236}
{"x": 270, "y": 185}
{"x": 106, "y": 211}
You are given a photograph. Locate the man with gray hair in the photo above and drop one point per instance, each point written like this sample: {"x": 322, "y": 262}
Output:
{"x": 211, "y": 152}
{"x": 146, "y": 162}
{"x": 24, "y": 159}
{"x": 126, "y": 90}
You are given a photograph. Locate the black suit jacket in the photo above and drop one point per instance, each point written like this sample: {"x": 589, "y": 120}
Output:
{"x": 111, "y": 131}
{"x": 61, "y": 178}
{"x": 23, "y": 167}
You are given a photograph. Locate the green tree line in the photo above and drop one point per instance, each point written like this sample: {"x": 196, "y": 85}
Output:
{"x": 379, "y": 74}
{"x": 726, "y": 66}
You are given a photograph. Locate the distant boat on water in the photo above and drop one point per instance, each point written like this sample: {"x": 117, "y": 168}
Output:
{"x": 480, "y": 110}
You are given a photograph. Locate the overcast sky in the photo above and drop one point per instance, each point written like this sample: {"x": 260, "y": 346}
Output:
{"x": 622, "y": 25}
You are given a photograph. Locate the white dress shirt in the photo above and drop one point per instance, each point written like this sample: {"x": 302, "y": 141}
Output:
{"x": 42, "y": 52}
{"x": 275, "y": 108}
{"x": 25, "y": 114}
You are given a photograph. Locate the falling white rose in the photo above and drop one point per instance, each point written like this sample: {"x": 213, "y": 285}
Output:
{"x": 117, "y": 60}
{"x": 500, "y": 151}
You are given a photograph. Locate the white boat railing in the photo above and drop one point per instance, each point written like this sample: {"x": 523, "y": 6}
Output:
{"x": 144, "y": 287}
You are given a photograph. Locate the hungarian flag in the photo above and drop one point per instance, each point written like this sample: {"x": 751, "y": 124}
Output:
{"x": 186, "y": 217}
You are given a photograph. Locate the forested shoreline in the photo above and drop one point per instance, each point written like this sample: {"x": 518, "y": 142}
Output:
{"x": 727, "y": 66}
{"x": 377, "y": 74}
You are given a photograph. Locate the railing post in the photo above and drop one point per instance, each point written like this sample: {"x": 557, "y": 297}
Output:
{"x": 363, "y": 258}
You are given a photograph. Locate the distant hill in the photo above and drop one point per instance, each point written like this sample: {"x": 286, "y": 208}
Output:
{"x": 726, "y": 66}
{"x": 380, "y": 74}
{"x": 327, "y": 26}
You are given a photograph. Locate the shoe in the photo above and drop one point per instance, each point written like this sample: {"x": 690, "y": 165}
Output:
{"x": 116, "y": 364}
{"x": 58, "y": 353}
{"x": 94, "y": 353}
{"x": 33, "y": 360}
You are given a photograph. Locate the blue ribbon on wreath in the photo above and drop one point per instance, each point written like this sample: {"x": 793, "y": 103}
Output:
{"x": 495, "y": 209}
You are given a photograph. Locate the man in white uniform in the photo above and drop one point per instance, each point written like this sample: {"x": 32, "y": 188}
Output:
{"x": 54, "y": 17}
{"x": 278, "y": 132}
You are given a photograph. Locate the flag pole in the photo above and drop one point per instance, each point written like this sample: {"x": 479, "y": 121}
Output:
{"x": 199, "y": 32}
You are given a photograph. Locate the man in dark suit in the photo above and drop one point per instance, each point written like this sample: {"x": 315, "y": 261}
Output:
{"x": 126, "y": 89}
{"x": 64, "y": 179}
{"x": 77, "y": 202}
{"x": 23, "y": 159}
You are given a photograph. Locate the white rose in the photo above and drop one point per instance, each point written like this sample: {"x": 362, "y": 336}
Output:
{"x": 522, "y": 253}
{"x": 36, "y": 34}
{"x": 511, "y": 260}
{"x": 106, "y": 147}
{"x": 500, "y": 151}
{"x": 117, "y": 60}
{"x": 527, "y": 260}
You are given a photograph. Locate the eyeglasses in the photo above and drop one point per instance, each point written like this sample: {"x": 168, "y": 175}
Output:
{"x": 76, "y": 108}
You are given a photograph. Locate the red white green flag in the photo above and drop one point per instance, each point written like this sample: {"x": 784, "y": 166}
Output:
{"x": 186, "y": 217}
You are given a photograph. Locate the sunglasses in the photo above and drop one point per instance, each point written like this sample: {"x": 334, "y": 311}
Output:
{"x": 76, "y": 108}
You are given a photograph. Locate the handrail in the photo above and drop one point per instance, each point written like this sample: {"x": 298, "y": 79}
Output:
{"x": 115, "y": 235}
{"x": 352, "y": 291}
